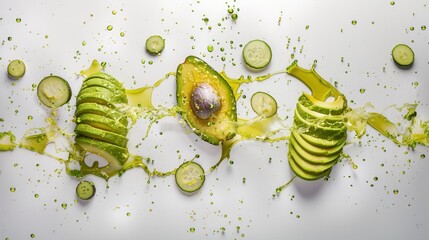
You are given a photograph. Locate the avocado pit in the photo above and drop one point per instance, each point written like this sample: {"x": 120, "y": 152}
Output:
{"x": 205, "y": 101}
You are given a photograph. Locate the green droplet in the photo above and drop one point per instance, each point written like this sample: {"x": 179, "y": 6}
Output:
{"x": 109, "y": 28}
{"x": 64, "y": 205}
{"x": 150, "y": 62}
{"x": 36, "y": 195}
{"x": 30, "y": 117}
{"x": 234, "y": 16}
{"x": 192, "y": 229}
{"x": 223, "y": 58}
{"x": 143, "y": 61}
{"x": 12, "y": 189}
{"x": 18, "y": 20}
{"x": 9, "y": 38}
{"x": 392, "y": 3}
{"x": 375, "y": 178}
{"x": 122, "y": 34}
{"x": 422, "y": 156}
{"x": 354, "y": 22}
{"x": 128, "y": 214}
{"x": 411, "y": 28}
{"x": 307, "y": 27}
{"x": 206, "y": 20}
{"x": 362, "y": 90}
{"x": 210, "y": 48}
{"x": 395, "y": 191}
{"x": 114, "y": 12}
{"x": 230, "y": 10}
{"x": 83, "y": 43}
{"x": 423, "y": 27}
{"x": 32, "y": 235}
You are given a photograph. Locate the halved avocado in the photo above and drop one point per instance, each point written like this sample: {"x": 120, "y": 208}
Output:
{"x": 102, "y": 122}
{"x": 304, "y": 174}
{"x": 115, "y": 155}
{"x": 95, "y": 108}
{"x": 335, "y": 107}
{"x": 317, "y": 150}
{"x": 310, "y": 168}
{"x": 100, "y": 134}
{"x": 214, "y": 125}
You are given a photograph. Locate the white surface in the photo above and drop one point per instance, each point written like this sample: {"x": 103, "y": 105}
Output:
{"x": 345, "y": 207}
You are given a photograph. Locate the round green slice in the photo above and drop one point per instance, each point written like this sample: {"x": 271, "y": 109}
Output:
{"x": 190, "y": 176}
{"x": 16, "y": 69}
{"x": 263, "y": 104}
{"x": 85, "y": 190}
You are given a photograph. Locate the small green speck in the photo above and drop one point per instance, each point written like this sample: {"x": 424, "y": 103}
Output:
{"x": 375, "y": 178}
{"x": 210, "y": 48}
{"x": 32, "y": 235}
{"x": 122, "y": 34}
{"x": 64, "y": 205}
{"x": 230, "y": 10}
{"x": 30, "y": 117}
{"x": 392, "y": 3}
{"x": 422, "y": 156}
{"x": 109, "y": 28}
{"x": 12, "y": 189}
{"x": 128, "y": 214}
{"x": 36, "y": 195}
{"x": 114, "y": 12}
{"x": 423, "y": 27}
{"x": 83, "y": 43}
{"x": 192, "y": 229}
{"x": 9, "y": 38}
{"x": 354, "y": 22}
{"x": 411, "y": 28}
{"x": 362, "y": 90}
{"x": 395, "y": 191}
{"x": 18, "y": 20}
{"x": 234, "y": 16}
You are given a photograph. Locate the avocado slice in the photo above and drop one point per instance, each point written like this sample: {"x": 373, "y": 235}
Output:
{"x": 206, "y": 101}
{"x": 107, "y": 99}
{"x": 321, "y": 142}
{"x": 311, "y": 168}
{"x": 315, "y": 159}
{"x": 102, "y": 122}
{"x": 304, "y": 174}
{"x": 100, "y": 134}
{"x": 318, "y": 129}
{"x": 105, "y": 76}
{"x": 103, "y": 82}
{"x": 335, "y": 107}
{"x": 119, "y": 96}
{"x": 317, "y": 150}
{"x": 102, "y": 110}
{"x": 115, "y": 155}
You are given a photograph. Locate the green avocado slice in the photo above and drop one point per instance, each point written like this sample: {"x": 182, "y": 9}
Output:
{"x": 317, "y": 129}
{"x": 102, "y": 110}
{"x": 317, "y": 150}
{"x": 220, "y": 125}
{"x": 100, "y": 134}
{"x": 311, "y": 168}
{"x": 303, "y": 174}
{"x": 115, "y": 155}
{"x": 119, "y": 96}
{"x": 107, "y": 99}
{"x": 335, "y": 107}
{"x": 102, "y": 122}
{"x": 107, "y": 77}
{"x": 315, "y": 159}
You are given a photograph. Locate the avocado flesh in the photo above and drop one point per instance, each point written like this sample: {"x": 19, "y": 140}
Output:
{"x": 102, "y": 82}
{"x": 318, "y": 136}
{"x": 317, "y": 150}
{"x": 318, "y": 129}
{"x": 115, "y": 155}
{"x": 102, "y": 110}
{"x": 107, "y": 77}
{"x": 100, "y": 134}
{"x": 107, "y": 99}
{"x": 310, "y": 168}
{"x": 102, "y": 122}
{"x": 302, "y": 173}
{"x": 121, "y": 96}
{"x": 336, "y": 107}
{"x": 221, "y": 125}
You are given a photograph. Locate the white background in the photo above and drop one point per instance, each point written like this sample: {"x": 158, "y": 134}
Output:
{"x": 49, "y": 40}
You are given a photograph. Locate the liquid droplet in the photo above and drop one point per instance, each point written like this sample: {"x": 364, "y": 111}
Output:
{"x": 18, "y": 20}
{"x": 12, "y": 189}
{"x": 395, "y": 191}
{"x": 109, "y": 28}
{"x": 192, "y": 229}
{"x": 210, "y": 48}
{"x": 354, "y": 22}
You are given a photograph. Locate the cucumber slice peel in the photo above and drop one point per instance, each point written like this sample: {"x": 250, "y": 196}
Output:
{"x": 54, "y": 91}
{"x": 403, "y": 55}
{"x": 190, "y": 177}
{"x": 155, "y": 44}
{"x": 257, "y": 54}
{"x": 16, "y": 69}
{"x": 263, "y": 104}
{"x": 85, "y": 190}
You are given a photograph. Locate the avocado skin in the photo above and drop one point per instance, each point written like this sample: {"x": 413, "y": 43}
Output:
{"x": 221, "y": 126}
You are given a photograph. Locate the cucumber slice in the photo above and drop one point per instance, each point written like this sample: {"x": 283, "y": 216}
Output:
{"x": 155, "y": 44}
{"x": 263, "y": 104}
{"x": 403, "y": 55}
{"x": 85, "y": 190}
{"x": 257, "y": 54}
{"x": 54, "y": 91}
{"x": 190, "y": 176}
{"x": 16, "y": 69}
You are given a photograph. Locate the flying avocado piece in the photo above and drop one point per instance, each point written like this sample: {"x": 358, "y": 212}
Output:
{"x": 206, "y": 101}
